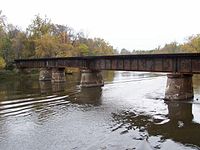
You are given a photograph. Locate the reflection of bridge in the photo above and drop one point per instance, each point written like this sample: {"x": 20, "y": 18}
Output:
{"x": 178, "y": 124}
{"x": 180, "y": 66}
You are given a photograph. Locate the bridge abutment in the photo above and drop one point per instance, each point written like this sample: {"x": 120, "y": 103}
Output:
{"x": 45, "y": 74}
{"x": 91, "y": 78}
{"x": 58, "y": 75}
{"x": 179, "y": 87}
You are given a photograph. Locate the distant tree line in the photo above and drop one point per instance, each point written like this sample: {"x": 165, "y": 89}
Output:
{"x": 192, "y": 45}
{"x": 43, "y": 38}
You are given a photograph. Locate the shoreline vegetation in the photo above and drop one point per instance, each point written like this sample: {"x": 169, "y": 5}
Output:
{"x": 42, "y": 38}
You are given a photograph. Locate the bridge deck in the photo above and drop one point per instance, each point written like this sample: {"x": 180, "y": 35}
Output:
{"x": 176, "y": 63}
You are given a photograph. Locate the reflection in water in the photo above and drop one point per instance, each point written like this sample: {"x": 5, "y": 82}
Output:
{"x": 48, "y": 87}
{"x": 180, "y": 128}
{"x": 88, "y": 96}
{"x": 45, "y": 115}
{"x": 58, "y": 86}
{"x": 21, "y": 87}
{"x": 82, "y": 96}
{"x": 45, "y": 86}
{"x": 179, "y": 125}
{"x": 180, "y": 111}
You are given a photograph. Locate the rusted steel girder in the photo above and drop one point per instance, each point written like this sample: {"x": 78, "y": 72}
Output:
{"x": 176, "y": 63}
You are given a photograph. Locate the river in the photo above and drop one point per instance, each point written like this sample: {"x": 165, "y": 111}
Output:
{"x": 127, "y": 113}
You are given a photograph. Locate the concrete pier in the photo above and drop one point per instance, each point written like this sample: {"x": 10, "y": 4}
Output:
{"x": 179, "y": 87}
{"x": 180, "y": 111}
{"x": 58, "y": 75}
{"x": 45, "y": 74}
{"x": 91, "y": 78}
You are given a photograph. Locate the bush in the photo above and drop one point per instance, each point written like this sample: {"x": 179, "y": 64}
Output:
{"x": 2, "y": 63}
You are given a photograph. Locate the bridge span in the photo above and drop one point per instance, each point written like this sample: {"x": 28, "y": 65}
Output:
{"x": 180, "y": 68}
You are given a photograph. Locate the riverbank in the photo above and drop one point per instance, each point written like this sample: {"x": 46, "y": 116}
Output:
{"x": 15, "y": 74}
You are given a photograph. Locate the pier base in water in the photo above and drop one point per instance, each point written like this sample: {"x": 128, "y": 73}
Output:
{"x": 180, "y": 111}
{"x": 45, "y": 74}
{"x": 179, "y": 87}
{"x": 91, "y": 78}
{"x": 58, "y": 75}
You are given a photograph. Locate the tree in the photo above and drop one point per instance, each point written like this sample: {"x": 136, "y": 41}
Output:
{"x": 2, "y": 32}
{"x": 65, "y": 50}
{"x": 2, "y": 23}
{"x": 45, "y": 39}
{"x": 83, "y": 50}
{"x": 2, "y": 63}
{"x": 64, "y": 33}
{"x": 7, "y": 52}
{"x": 192, "y": 44}
{"x": 98, "y": 46}
{"x": 172, "y": 47}
{"x": 46, "y": 46}
{"x": 125, "y": 52}
{"x": 40, "y": 27}
{"x": 18, "y": 45}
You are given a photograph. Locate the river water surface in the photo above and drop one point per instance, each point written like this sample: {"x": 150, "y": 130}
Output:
{"x": 127, "y": 113}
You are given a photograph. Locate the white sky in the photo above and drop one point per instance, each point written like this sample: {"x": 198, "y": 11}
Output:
{"x": 130, "y": 24}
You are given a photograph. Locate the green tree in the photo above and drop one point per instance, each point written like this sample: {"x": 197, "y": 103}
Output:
{"x": 46, "y": 46}
{"x": 40, "y": 26}
{"x": 65, "y": 50}
{"x": 2, "y": 63}
{"x": 172, "y": 47}
{"x": 83, "y": 50}
{"x": 40, "y": 29}
{"x": 18, "y": 45}
{"x": 98, "y": 46}
{"x": 7, "y": 52}
{"x": 192, "y": 44}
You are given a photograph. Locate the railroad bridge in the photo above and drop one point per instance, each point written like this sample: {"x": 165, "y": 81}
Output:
{"x": 180, "y": 68}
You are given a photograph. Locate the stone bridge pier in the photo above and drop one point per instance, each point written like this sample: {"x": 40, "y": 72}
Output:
{"x": 179, "y": 87}
{"x": 52, "y": 74}
{"x": 58, "y": 75}
{"x": 89, "y": 78}
{"x": 45, "y": 74}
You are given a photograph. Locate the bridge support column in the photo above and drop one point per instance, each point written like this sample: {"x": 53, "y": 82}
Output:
{"x": 91, "y": 78}
{"x": 180, "y": 111}
{"x": 179, "y": 87}
{"x": 45, "y": 74}
{"x": 58, "y": 75}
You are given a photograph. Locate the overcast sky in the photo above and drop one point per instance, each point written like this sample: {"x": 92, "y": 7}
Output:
{"x": 130, "y": 24}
